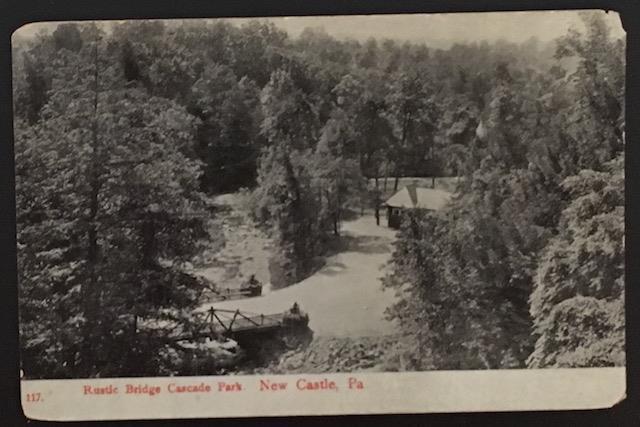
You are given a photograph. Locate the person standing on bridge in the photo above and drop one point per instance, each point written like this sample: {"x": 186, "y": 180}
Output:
{"x": 295, "y": 309}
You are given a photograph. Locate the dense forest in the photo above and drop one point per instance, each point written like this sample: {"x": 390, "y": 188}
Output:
{"x": 123, "y": 132}
{"x": 525, "y": 267}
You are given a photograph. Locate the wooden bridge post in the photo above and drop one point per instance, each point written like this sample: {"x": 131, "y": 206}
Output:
{"x": 235, "y": 315}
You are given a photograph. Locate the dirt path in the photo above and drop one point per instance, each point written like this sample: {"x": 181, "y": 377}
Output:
{"x": 345, "y": 297}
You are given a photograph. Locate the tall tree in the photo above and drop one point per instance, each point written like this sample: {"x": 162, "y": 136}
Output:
{"x": 598, "y": 83}
{"x": 336, "y": 171}
{"x": 121, "y": 204}
{"x": 578, "y": 297}
{"x": 253, "y": 50}
{"x": 284, "y": 199}
{"x": 228, "y": 137}
{"x": 413, "y": 115}
{"x": 362, "y": 98}
{"x": 33, "y": 94}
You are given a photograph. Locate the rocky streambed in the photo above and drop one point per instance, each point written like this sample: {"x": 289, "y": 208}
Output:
{"x": 336, "y": 354}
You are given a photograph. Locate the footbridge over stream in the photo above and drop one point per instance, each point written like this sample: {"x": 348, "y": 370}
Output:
{"x": 241, "y": 325}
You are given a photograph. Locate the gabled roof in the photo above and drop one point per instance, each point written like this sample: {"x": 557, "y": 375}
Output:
{"x": 418, "y": 197}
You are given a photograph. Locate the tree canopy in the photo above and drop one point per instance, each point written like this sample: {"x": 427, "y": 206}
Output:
{"x": 121, "y": 136}
{"x": 525, "y": 266}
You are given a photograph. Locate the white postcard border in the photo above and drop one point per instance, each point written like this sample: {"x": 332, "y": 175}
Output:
{"x": 406, "y": 392}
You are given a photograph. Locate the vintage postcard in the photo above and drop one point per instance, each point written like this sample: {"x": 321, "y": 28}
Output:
{"x": 320, "y": 215}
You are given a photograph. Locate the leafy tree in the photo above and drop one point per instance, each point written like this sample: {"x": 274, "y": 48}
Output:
{"x": 253, "y": 49}
{"x": 368, "y": 57}
{"x": 228, "y": 134}
{"x": 31, "y": 97}
{"x": 285, "y": 202}
{"x": 531, "y": 248}
{"x": 336, "y": 172}
{"x": 578, "y": 298}
{"x": 361, "y": 96}
{"x": 598, "y": 114}
{"x": 323, "y": 48}
{"x": 67, "y": 36}
{"x": 476, "y": 257}
{"x": 289, "y": 117}
{"x": 413, "y": 115}
{"x": 130, "y": 65}
{"x": 284, "y": 199}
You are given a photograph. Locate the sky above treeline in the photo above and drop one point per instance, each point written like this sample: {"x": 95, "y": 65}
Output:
{"x": 438, "y": 30}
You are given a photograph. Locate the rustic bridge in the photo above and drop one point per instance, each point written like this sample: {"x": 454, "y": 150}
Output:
{"x": 242, "y": 325}
{"x": 231, "y": 322}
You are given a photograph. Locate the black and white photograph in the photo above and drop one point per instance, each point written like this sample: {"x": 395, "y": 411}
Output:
{"x": 322, "y": 194}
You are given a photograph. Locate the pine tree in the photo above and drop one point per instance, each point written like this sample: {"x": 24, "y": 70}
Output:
{"x": 117, "y": 211}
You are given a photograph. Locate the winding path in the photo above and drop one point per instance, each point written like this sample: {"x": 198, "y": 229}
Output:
{"x": 345, "y": 297}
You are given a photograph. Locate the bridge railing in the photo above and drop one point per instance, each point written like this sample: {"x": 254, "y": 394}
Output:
{"x": 240, "y": 320}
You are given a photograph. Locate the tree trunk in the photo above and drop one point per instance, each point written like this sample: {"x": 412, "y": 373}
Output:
{"x": 149, "y": 244}
{"x": 89, "y": 289}
{"x": 300, "y": 240}
{"x": 135, "y": 325}
{"x": 376, "y": 202}
{"x": 401, "y": 155}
